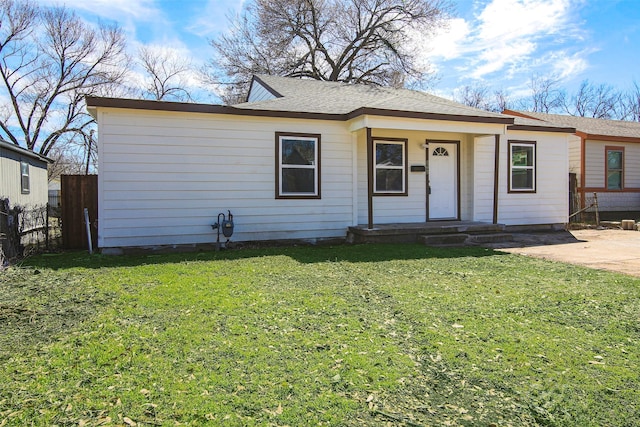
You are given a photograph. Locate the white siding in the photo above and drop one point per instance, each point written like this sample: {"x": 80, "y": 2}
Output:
{"x": 550, "y": 203}
{"x": 574, "y": 156}
{"x": 483, "y": 178}
{"x": 10, "y": 179}
{"x": 410, "y": 208}
{"x": 164, "y": 177}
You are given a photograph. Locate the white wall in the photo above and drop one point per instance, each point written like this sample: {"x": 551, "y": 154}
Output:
{"x": 164, "y": 177}
{"x": 550, "y": 203}
{"x": 483, "y": 178}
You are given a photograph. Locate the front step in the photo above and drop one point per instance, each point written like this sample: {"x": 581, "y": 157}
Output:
{"x": 462, "y": 239}
{"x": 479, "y": 239}
{"x": 457, "y": 239}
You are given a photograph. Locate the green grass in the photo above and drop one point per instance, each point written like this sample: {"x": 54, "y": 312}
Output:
{"x": 347, "y": 335}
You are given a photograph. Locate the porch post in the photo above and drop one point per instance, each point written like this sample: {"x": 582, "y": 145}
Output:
{"x": 496, "y": 174}
{"x": 369, "y": 179}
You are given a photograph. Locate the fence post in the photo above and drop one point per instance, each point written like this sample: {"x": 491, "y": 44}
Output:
{"x": 595, "y": 203}
{"x": 46, "y": 227}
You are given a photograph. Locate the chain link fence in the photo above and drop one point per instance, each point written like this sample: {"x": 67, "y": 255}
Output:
{"x": 25, "y": 230}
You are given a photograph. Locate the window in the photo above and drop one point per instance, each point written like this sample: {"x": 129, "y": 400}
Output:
{"x": 615, "y": 167}
{"x": 24, "y": 177}
{"x": 298, "y": 165}
{"x": 390, "y": 175}
{"x": 522, "y": 166}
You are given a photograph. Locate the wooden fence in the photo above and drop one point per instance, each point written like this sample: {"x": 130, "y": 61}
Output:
{"x": 79, "y": 192}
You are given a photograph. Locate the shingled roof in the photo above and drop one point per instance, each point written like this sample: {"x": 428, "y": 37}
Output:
{"x": 591, "y": 127}
{"x": 306, "y": 95}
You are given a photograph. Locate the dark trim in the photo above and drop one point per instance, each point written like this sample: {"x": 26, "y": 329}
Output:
{"x": 583, "y": 171}
{"x": 315, "y": 136}
{"x": 458, "y": 198}
{"x": 141, "y": 104}
{"x": 535, "y": 166}
{"x": 369, "y": 179}
{"x": 605, "y": 190}
{"x": 541, "y": 128}
{"x": 362, "y": 111}
{"x": 428, "y": 184}
{"x": 496, "y": 177}
{"x": 268, "y": 88}
{"x": 608, "y": 148}
{"x": 406, "y": 165}
{"x": 184, "y": 107}
{"x": 606, "y": 138}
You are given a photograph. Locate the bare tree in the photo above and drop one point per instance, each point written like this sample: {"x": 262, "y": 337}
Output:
{"x": 630, "y": 104}
{"x": 166, "y": 74}
{"x": 355, "y": 41}
{"x": 598, "y": 101}
{"x": 546, "y": 95}
{"x": 50, "y": 59}
{"x": 479, "y": 96}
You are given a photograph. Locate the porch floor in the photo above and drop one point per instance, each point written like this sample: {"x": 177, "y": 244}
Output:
{"x": 437, "y": 232}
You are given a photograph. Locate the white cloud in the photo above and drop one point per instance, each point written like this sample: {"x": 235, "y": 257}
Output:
{"x": 212, "y": 18}
{"x": 447, "y": 43}
{"x": 507, "y": 38}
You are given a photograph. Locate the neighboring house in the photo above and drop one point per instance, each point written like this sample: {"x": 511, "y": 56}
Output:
{"x": 605, "y": 156}
{"x": 23, "y": 175}
{"x": 305, "y": 159}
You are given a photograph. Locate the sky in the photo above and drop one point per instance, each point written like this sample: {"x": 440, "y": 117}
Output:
{"x": 496, "y": 43}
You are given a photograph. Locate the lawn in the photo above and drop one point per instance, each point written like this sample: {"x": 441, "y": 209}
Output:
{"x": 400, "y": 335}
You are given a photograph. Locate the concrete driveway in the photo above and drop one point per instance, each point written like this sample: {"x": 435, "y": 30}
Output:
{"x": 614, "y": 250}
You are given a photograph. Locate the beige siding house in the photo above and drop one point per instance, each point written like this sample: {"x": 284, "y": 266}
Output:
{"x": 304, "y": 159}
{"x": 605, "y": 156}
{"x": 23, "y": 176}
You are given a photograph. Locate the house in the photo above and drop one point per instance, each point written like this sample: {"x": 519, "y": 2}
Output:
{"x": 306, "y": 159}
{"x": 23, "y": 175}
{"x": 604, "y": 155}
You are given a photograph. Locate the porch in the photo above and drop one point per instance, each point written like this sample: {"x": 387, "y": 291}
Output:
{"x": 434, "y": 233}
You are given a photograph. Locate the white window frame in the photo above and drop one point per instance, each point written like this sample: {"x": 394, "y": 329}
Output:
{"x": 403, "y": 167}
{"x": 25, "y": 177}
{"x": 532, "y": 145}
{"x": 280, "y": 193}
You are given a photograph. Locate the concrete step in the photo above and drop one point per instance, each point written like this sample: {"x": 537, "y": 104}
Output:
{"x": 478, "y": 239}
{"x": 444, "y": 239}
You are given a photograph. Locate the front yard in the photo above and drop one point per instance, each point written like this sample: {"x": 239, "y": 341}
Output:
{"x": 348, "y": 335}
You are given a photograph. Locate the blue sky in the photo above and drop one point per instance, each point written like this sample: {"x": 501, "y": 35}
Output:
{"x": 499, "y": 43}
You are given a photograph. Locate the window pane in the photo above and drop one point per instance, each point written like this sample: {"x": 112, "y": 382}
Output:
{"x": 614, "y": 159}
{"x": 389, "y": 154}
{"x": 521, "y": 155}
{"x": 389, "y": 180}
{"x": 298, "y": 181}
{"x": 614, "y": 180}
{"x": 298, "y": 152}
{"x": 24, "y": 177}
{"x": 522, "y": 179}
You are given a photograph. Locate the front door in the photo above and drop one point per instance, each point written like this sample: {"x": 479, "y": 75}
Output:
{"x": 443, "y": 180}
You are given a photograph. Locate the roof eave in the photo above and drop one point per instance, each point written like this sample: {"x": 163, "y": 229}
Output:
{"x": 428, "y": 116}
{"x": 541, "y": 128}
{"x": 25, "y": 152}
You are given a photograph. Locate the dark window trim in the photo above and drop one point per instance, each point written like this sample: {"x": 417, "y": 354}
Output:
{"x": 535, "y": 166}
{"x": 318, "y": 168}
{"x": 24, "y": 190}
{"x": 606, "y": 168}
{"x": 405, "y": 169}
